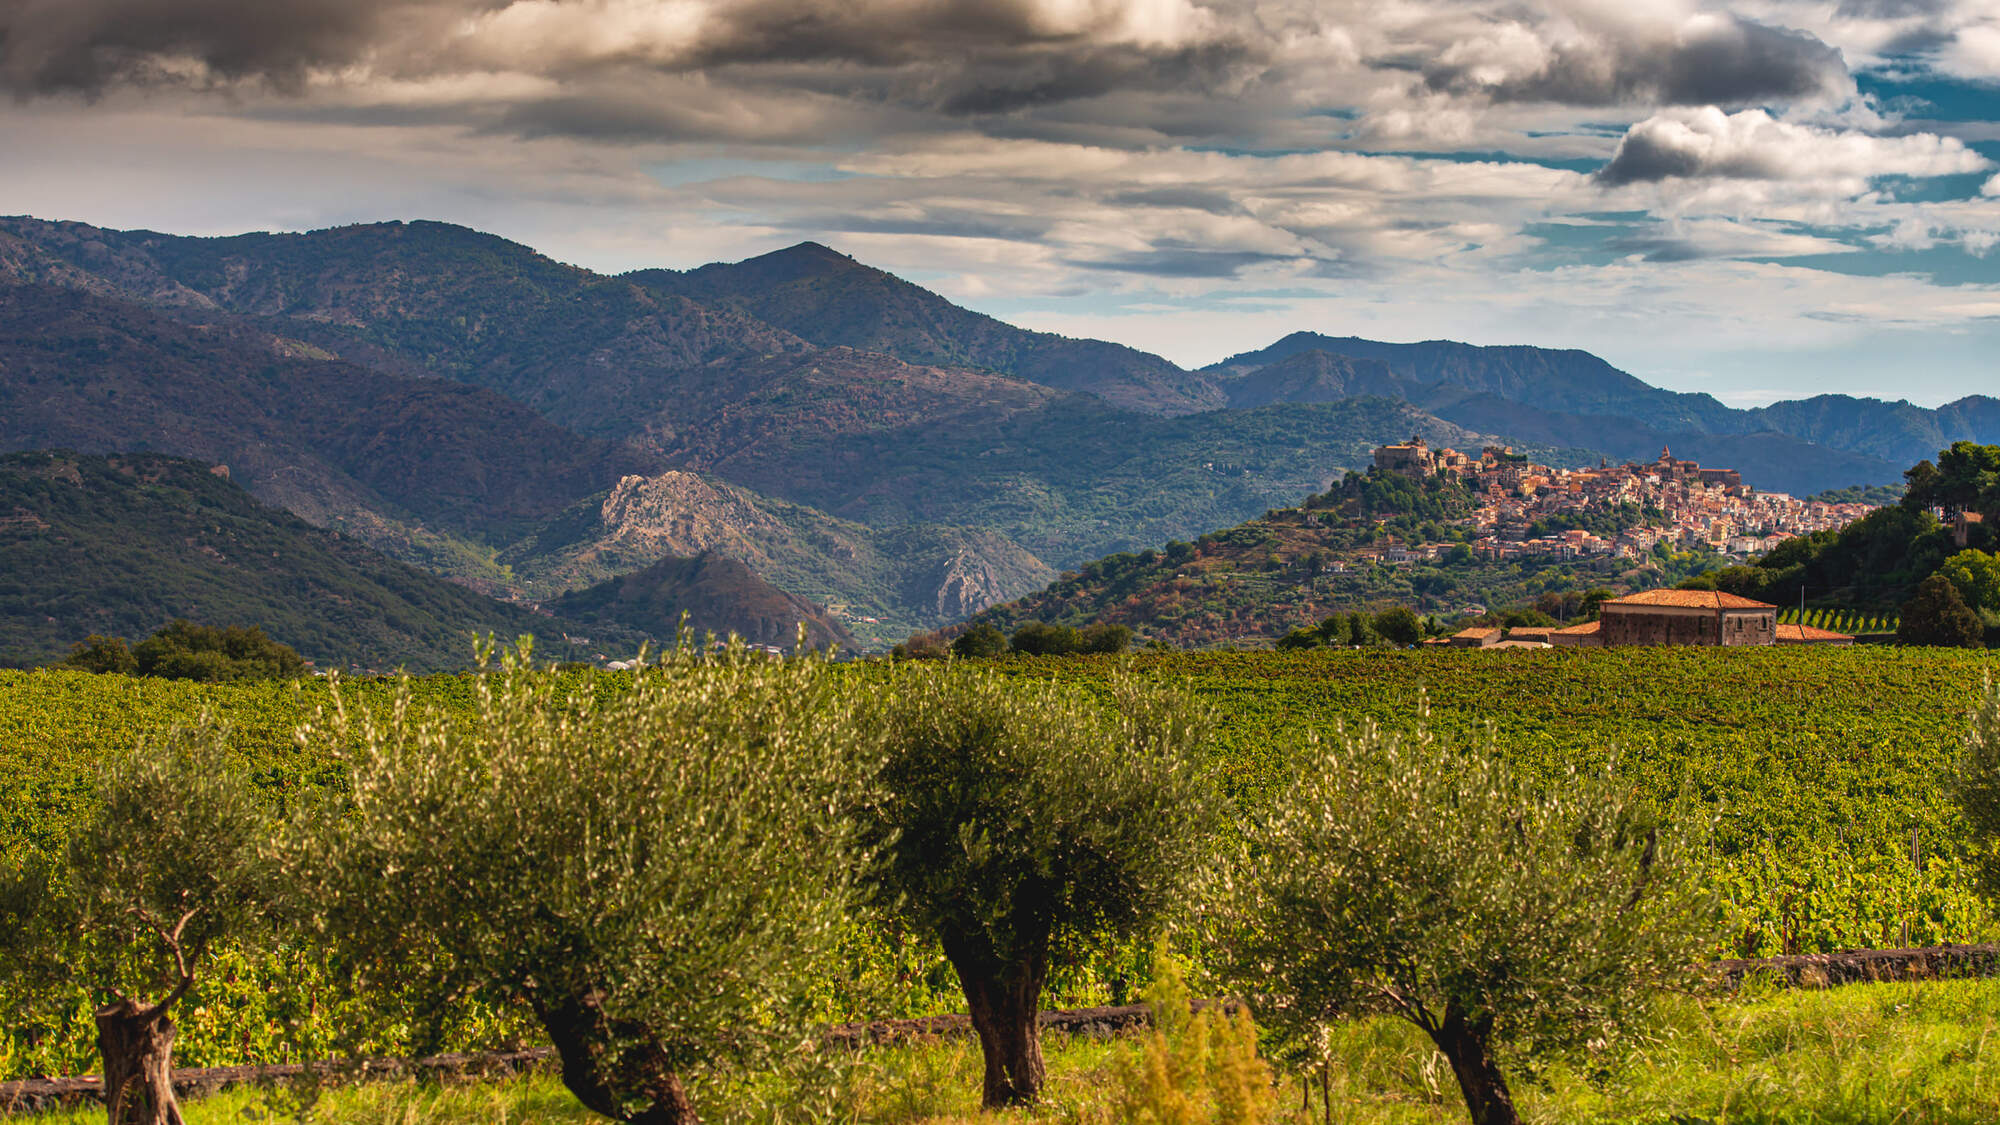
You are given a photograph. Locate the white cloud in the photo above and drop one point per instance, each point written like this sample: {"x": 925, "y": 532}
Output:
{"x": 1708, "y": 144}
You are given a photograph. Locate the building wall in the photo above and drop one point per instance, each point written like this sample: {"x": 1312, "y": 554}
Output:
{"x": 1669, "y": 625}
{"x": 1657, "y": 625}
{"x": 1750, "y": 627}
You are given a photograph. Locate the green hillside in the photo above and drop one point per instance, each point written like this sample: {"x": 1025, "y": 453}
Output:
{"x": 1296, "y": 566}
{"x": 121, "y": 545}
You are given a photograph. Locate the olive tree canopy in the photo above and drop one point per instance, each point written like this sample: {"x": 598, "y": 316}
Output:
{"x": 1021, "y": 822}
{"x": 1400, "y": 876}
{"x": 655, "y": 866}
{"x": 167, "y": 865}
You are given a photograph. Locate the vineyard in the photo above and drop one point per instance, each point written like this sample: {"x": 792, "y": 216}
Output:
{"x": 1822, "y": 769}
{"x": 1852, "y": 622}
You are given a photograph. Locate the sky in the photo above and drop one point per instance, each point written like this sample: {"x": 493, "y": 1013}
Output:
{"x": 1758, "y": 199}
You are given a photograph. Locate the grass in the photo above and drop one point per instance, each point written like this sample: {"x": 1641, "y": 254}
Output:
{"x": 1894, "y": 1054}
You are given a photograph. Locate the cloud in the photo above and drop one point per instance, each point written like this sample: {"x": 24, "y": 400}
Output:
{"x": 51, "y": 46}
{"x": 1752, "y": 145}
{"x": 1708, "y": 58}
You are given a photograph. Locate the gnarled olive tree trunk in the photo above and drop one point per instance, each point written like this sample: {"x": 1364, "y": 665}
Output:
{"x": 1467, "y": 1046}
{"x": 136, "y": 1043}
{"x": 1004, "y": 1001}
{"x": 593, "y": 1047}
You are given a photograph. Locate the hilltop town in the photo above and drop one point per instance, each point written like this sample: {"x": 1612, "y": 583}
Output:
{"x": 1671, "y": 501}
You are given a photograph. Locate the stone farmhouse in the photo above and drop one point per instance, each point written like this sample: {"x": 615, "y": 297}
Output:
{"x": 1671, "y": 617}
{"x": 1687, "y": 617}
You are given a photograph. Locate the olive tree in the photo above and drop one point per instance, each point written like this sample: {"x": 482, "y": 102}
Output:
{"x": 1399, "y": 876}
{"x": 165, "y": 866}
{"x": 654, "y": 869}
{"x": 1020, "y": 822}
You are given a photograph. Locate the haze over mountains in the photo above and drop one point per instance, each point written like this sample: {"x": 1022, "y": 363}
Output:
{"x": 530, "y": 429}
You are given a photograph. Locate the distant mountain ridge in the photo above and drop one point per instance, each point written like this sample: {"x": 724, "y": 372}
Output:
{"x": 831, "y": 299}
{"x": 472, "y": 406}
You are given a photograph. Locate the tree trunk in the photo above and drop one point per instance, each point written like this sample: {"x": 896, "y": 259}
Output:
{"x": 136, "y": 1043}
{"x": 616, "y": 1069}
{"x": 1465, "y": 1045}
{"x": 1005, "y": 1005}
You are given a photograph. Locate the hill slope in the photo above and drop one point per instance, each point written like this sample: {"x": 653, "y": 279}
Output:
{"x": 405, "y": 463}
{"x": 718, "y": 594}
{"x": 1296, "y": 566}
{"x": 122, "y": 545}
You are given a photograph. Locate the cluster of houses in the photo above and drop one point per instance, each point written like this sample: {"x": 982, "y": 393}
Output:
{"x": 1699, "y": 507}
{"x": 1660, "y": 617}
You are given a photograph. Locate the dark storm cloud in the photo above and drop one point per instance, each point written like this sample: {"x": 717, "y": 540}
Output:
{"x": 1728, "y": 61}
{"x": 1026, "y": 83}
{"x": 53, "y": 46}
{"x": 1169, "y": 259}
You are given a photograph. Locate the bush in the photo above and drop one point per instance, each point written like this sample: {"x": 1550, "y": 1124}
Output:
{"x": 1106, "y": 637}
{"x": 1400, "y": 877}
{"x": 979, "y": 642}
{"x": 1021, "y": 824}
{"x": 1939, "y": 617}
{"x": 1399, "y": 625}
{"x": 1195, "y": 1070}
{"x": 182, "y": 650}
{"x": 1038, "y": 638}
{"x": 655, "y": 871}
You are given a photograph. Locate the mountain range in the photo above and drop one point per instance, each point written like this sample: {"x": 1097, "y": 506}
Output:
{"x": 531, "y": 429}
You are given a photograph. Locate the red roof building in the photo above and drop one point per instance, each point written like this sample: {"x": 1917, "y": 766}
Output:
{"x": 1688, "y": 617}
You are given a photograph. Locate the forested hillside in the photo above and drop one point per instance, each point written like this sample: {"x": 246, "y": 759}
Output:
{"x": 122, "y": 545}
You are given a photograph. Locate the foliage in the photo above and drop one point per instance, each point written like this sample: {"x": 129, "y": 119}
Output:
{"x": 1938, "y": 616}
{"x": 1818, "y": 786}
{"x": 982, "y": 640}
{"x": 1977, "y": 576}
{"x": 182, "y": 650}
{"x": 102, "y": 654}
{"x": 166, "y": 868}
{"x": 654, "y": 871}
{"x": 1038, "y": 638}
{"x": 1194, "y": 1069}
{"x": 1021, "y": 824}
{"x": 1399, "y": 625}
{"x": 1405, "y": 876}
{"x": 1965, "y": 478}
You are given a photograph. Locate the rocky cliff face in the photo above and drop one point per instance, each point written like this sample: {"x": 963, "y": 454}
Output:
{"x": 969, "y": 582}
{"x": 904, "y": 578}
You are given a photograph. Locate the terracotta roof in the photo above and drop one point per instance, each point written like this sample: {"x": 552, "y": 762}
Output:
{"x": 1690, "y": 599}
{"x": 1529, "y": 633}
{"x": 1583, "y": 630}
{"x": 1477, "y": 632}
{"x": 1809, "y": 633}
